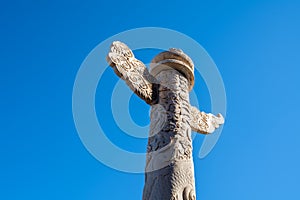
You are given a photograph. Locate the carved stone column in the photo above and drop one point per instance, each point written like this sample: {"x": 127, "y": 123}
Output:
{"x": 169, "y": 172}
{"x": 169, "y": 166}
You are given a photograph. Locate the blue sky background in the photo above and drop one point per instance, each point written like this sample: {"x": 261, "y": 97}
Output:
{"x": 255, "y": 44}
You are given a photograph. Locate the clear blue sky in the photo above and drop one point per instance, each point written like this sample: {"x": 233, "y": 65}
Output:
{"x": 255, "y": 44}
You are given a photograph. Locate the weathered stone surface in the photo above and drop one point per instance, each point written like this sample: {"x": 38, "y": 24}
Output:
{"x": 169, "y": 171}
{"x": 169, "y": 165}
{"x": 133, "y": 71}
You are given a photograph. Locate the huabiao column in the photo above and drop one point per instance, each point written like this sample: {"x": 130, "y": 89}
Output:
{"x": 169, "y": 171}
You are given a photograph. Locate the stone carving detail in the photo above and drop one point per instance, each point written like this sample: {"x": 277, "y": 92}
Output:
{"x": 169, "y": 172}
{"x": 172, "y": 182}
{"x": 204, "y": 123}
{"x": 169, "y": 159}
{"x": 170, "y": 139}
{"x": 133, "y": 71}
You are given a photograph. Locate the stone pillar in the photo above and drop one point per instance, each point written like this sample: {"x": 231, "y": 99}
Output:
{"x": 169, "y": 172}
{"x": 169, "y": 166}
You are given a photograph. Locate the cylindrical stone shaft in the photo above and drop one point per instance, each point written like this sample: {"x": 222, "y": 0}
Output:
{"x": 169, "y": 166}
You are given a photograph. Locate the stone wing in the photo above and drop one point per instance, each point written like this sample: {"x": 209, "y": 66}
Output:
{"x": 204, "y": 123}
{"x": 133, "y": 71}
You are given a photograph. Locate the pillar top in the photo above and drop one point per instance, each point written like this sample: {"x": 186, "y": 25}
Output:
{"x": 175, "y": 59}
